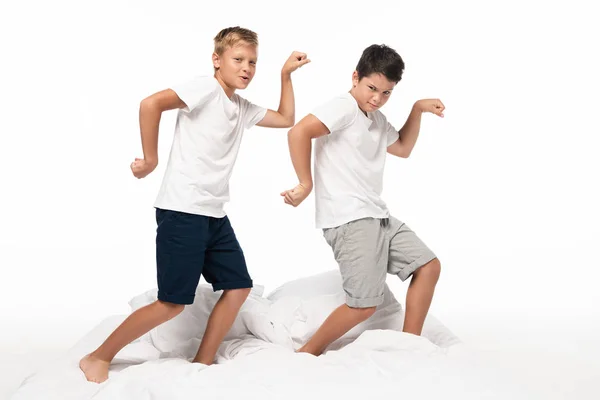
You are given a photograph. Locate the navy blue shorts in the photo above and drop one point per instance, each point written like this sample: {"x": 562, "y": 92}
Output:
{"x": 190, "y": 245}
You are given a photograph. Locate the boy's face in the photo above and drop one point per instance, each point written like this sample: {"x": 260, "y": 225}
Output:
{"x": 237, "y": 64}
{"x": 372, "y": 91}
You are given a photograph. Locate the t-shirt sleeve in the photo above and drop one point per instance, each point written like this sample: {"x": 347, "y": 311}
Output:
{"x": 195, "y": 92}
{"x": 391, "y": 133}
{"x": 336, "y": 114}
{"x": 253, "y": 113}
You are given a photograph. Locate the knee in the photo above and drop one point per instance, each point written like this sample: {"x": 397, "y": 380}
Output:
{"x": 432, "y": 269}
{"x": 236, "y": 296}
{"x": 362, "y": 314}
{"x": 169, "y": 310}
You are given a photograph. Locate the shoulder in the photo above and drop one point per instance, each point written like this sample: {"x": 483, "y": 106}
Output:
{"x": 340, "y": 105}
{"x": 343, "y": 102}
{"x": 338, "y": 113}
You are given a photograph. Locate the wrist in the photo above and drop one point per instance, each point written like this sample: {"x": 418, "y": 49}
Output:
{"x": 152, "y": 160}
{"x": 286, "y": 75}
{"x": 417, "y": 107}
{"x": 306, "y": 185}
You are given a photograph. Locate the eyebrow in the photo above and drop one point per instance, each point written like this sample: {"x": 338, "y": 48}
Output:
{"x": 241, "y": 56}
{"x": 376, "y": 87}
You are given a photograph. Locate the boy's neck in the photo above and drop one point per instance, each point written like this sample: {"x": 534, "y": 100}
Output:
{"x": 228, "y": 90}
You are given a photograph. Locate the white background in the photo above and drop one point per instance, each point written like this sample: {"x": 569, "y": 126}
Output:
{"x": 504, "y": 189}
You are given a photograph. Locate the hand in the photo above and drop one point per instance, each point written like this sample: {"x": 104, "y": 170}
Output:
{"x": 434, "y": 106}
{"x": 295, "y": 61}
{"x": 296, "y": 196}
{"x": 141, "y": 167}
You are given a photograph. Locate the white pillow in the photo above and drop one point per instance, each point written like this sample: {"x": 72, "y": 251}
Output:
{"x": 325, "y": 283}
{"x": 329, "y": 282}
{"x": 182, "y": 334}
{"x": 310, "y": 300}
{"x": 307, "y": 302}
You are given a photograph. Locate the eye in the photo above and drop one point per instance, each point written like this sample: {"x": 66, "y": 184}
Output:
{"x": 371, "y": 87}
{"x": 237, "y": 59}
{"x": 387, "y": 92}
{"x": 253, "y": 62}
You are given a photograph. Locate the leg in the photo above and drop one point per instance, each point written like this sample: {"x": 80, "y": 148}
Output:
{"x": 409, "y": 256}
{"x": 225, "y": 268}
{"x": 179, "y": 260}
{"x": 360, "y": 248}
{"x": 340, "y": 321}
{"x": 220, "y": 321}
{"x": 419, "y": 296}
{"x": 95, "y": 365}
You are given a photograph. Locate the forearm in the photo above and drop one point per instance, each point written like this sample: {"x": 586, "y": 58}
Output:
{"x": 300, "y": 152}
{"x": 149, "y": 122}
{"x": 410, "y": 131}
{"x": 286, "y": 102}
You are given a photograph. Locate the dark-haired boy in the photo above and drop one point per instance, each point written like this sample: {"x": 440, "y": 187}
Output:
{"x": 351, "y": 140}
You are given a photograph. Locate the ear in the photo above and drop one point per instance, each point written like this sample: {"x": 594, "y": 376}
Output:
{"x": 355, "y": 78}
{"x": 216, "y": 61}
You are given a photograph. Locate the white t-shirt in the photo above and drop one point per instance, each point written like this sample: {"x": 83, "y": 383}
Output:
{"x": 349, "y": 162}
{"x": 205, "y": 146}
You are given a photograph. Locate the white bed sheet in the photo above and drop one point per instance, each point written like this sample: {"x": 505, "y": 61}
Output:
{"x": 379, "y": 362}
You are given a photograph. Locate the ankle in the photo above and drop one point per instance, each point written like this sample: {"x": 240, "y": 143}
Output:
{"x": 97, "y": 355}
{"x": 197, "y": 360}
{"x": 307, "y": 349}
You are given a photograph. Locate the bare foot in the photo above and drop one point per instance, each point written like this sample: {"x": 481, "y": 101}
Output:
{"x": 95, "y": 369}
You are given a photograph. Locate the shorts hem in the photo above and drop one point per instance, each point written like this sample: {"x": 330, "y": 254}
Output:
{"x": 364, "y": 302}
{"x": 232, "y": 285}
{"x": 176, "y": 298}
{"x": 415, "y": 265}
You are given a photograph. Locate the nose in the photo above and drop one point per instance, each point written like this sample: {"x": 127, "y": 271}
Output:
{"x": 376, "y": 99}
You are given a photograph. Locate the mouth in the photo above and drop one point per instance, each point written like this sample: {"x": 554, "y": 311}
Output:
{"x": 245, "y": 79}
{"x": 373, "y": 105}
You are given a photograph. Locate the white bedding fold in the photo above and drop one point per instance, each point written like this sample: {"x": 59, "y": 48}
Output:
{"x": 378, "y": 363}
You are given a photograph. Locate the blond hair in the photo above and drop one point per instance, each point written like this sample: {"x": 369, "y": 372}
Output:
{"x": 229, "y": 37}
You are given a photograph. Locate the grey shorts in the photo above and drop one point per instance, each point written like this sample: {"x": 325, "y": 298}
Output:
{"x": 367, "y": 249}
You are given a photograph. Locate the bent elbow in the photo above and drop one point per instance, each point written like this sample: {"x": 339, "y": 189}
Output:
{"x": 146, "y": 101}
{"x": 402, "y": 153}
{"x": 147, "y": 104}
{"x": 289, "y": 123}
